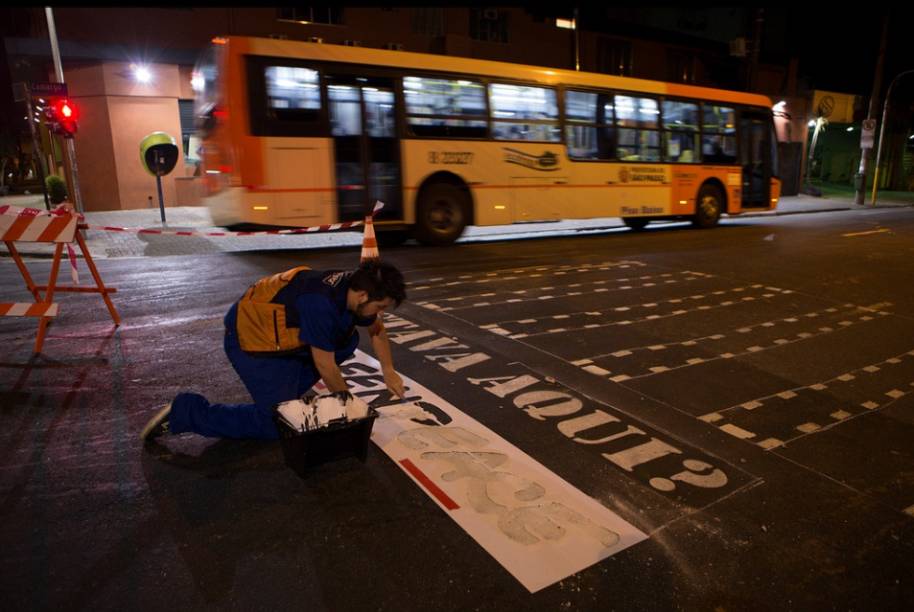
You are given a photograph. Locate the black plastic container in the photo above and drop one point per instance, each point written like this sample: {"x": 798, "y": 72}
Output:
{"x": 304, "y": 450}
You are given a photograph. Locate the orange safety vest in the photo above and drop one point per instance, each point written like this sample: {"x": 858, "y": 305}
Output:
{"x": 261, "y": 321}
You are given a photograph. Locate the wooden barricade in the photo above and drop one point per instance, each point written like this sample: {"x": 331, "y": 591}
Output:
{"x": 58, "y": 227}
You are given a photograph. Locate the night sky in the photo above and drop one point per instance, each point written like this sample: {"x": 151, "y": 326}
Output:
{"x": 836, "y": 45}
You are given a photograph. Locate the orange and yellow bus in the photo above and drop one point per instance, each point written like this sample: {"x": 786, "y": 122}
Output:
{"x": 300, "y": 134}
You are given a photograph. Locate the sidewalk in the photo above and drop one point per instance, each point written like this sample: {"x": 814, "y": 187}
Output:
{"x": 104, "y": 244}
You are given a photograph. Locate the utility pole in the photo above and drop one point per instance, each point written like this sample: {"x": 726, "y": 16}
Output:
{"x": 756, "y": 48}
{"x": 577, "y": 42}
{"x": 860, "y": 178}
{"x": 885, "y": 118}
{"x": 69, "y": 146}
{"x": 37, "y": 156}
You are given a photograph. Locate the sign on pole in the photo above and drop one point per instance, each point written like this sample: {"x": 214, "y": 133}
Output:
{"x": 48, "y": 89}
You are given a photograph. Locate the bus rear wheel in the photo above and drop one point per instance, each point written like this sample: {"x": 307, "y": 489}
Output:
{"x": 636, "y": 223}
{"x": 442, "y": 214}
{"x": 708, "y": 206}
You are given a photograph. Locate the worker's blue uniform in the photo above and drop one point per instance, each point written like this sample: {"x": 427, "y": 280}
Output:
{"x": 325, "y": 322}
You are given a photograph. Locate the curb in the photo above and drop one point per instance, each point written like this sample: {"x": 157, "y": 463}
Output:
{"x": 775, "y": 213}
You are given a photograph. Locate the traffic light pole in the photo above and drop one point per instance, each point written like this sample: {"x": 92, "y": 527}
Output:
{"x": 70, "y": 147}
{"x": 36, "y": 149}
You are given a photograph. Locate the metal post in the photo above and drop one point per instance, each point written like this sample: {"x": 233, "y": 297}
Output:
{"x": 36, "y": 148}
{"x": 756, "y": 48}
{"x": 885, "y": 115}
{"x": 860, "y": 179}
{"x": 68, "y": 142}
{"x": 161, "y": 199}
{"x": 820, "y": 122}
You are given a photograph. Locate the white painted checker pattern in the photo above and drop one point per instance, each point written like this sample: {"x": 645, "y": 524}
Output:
{"x": 649, "y": 305}
{"x": 453, "y": 303}
{"x": 723, "y": 419}
{"x": 520, "y": 273}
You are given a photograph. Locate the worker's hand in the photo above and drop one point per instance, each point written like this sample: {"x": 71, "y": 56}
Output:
{"x": 394, "y": 383}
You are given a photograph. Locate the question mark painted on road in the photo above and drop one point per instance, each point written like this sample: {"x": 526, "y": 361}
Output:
{"x": 693, "y": 476}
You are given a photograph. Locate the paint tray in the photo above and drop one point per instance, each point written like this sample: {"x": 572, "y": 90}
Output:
{"x": 304, "y": 450}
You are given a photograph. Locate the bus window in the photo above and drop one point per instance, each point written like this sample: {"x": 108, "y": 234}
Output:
{"x": 680, "y": 137}
{"x": 445, "y": 107}
{"x": 637, "y": 120}
{"x": 589, "y": 133}
{"x": 524, "y": 113}
{"x": 291, "y": 88}
{"x": 345, "y": 110}
{"x": 379, "y": 115}
{"x": 718, "y": 140}
{"x": 285, "y": 99}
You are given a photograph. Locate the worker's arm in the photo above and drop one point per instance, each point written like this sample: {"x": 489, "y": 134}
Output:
{"x": 329, "y": 371}
{"x": 381, "y": 345}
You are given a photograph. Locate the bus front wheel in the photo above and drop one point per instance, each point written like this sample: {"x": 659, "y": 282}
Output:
{"x": 636, "y": 223}
{"x": 441, "y": 214}
{"x": 708, "y": 206}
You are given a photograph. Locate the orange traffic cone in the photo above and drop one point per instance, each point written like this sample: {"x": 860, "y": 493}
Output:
{"x": 369, "y": 242}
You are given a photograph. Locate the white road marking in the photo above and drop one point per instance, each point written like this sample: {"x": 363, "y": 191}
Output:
{"x": 538, "y": 526}
{"x": 882, "y": 230}
{"x": 737, "y": 432}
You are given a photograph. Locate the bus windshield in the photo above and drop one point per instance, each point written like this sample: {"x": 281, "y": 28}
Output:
{"x": 204, "y": 81}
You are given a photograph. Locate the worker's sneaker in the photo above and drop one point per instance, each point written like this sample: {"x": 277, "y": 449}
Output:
{"x": 157, "y": 425}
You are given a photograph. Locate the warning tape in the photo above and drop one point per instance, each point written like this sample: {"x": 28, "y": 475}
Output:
{"x": 61, "y": 210}
{"x": 286, "y": 232}
{"x": 34, "y": 212}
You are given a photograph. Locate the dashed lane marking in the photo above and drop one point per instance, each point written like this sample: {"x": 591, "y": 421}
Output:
{"x": 518, "y": 273}
{"x": 649, "y": 305}
{"x": 452, "y": 303}
{"x": 723, "y": 418}
{"x": 779, "y": 342}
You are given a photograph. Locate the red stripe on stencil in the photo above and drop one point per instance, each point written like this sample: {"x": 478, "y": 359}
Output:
{"x": 426, "y": 482}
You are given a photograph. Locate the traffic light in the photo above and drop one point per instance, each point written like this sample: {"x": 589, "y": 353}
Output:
{"x": 61, "y": 115}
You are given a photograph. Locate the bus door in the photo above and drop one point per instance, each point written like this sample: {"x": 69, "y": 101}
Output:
{"x": 366, "y": 149}
{"x": 755, "y": 152}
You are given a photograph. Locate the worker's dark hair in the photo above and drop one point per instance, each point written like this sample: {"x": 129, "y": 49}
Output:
{"x": 380, "y": 280}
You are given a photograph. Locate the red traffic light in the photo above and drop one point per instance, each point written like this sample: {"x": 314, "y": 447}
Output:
{"x": 66, "y": 110}
{"x": 63, "y": 116}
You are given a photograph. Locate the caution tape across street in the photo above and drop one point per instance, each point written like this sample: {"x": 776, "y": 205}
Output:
{"x": 286, "y": 232}
{"x": 29, "y": 215}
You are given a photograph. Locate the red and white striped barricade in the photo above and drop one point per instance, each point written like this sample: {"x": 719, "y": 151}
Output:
{"x": 58, "y": 227}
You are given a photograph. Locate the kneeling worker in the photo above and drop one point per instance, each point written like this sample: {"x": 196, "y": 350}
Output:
{"x": 287, "y": 331}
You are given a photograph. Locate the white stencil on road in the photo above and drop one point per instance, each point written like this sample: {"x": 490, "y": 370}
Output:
{"x": 538, "y": 526}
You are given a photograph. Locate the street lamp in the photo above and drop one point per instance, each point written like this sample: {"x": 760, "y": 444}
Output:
{"x": 885, "y": 108}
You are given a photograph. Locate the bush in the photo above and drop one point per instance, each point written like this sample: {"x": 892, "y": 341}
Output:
{"x": 57, "y": 189}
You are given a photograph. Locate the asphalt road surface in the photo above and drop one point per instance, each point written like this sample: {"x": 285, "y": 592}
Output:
{"x": 741, "y": 396}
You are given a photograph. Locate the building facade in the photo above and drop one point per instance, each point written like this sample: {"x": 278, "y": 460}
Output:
{"x": 103, "y": 51}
